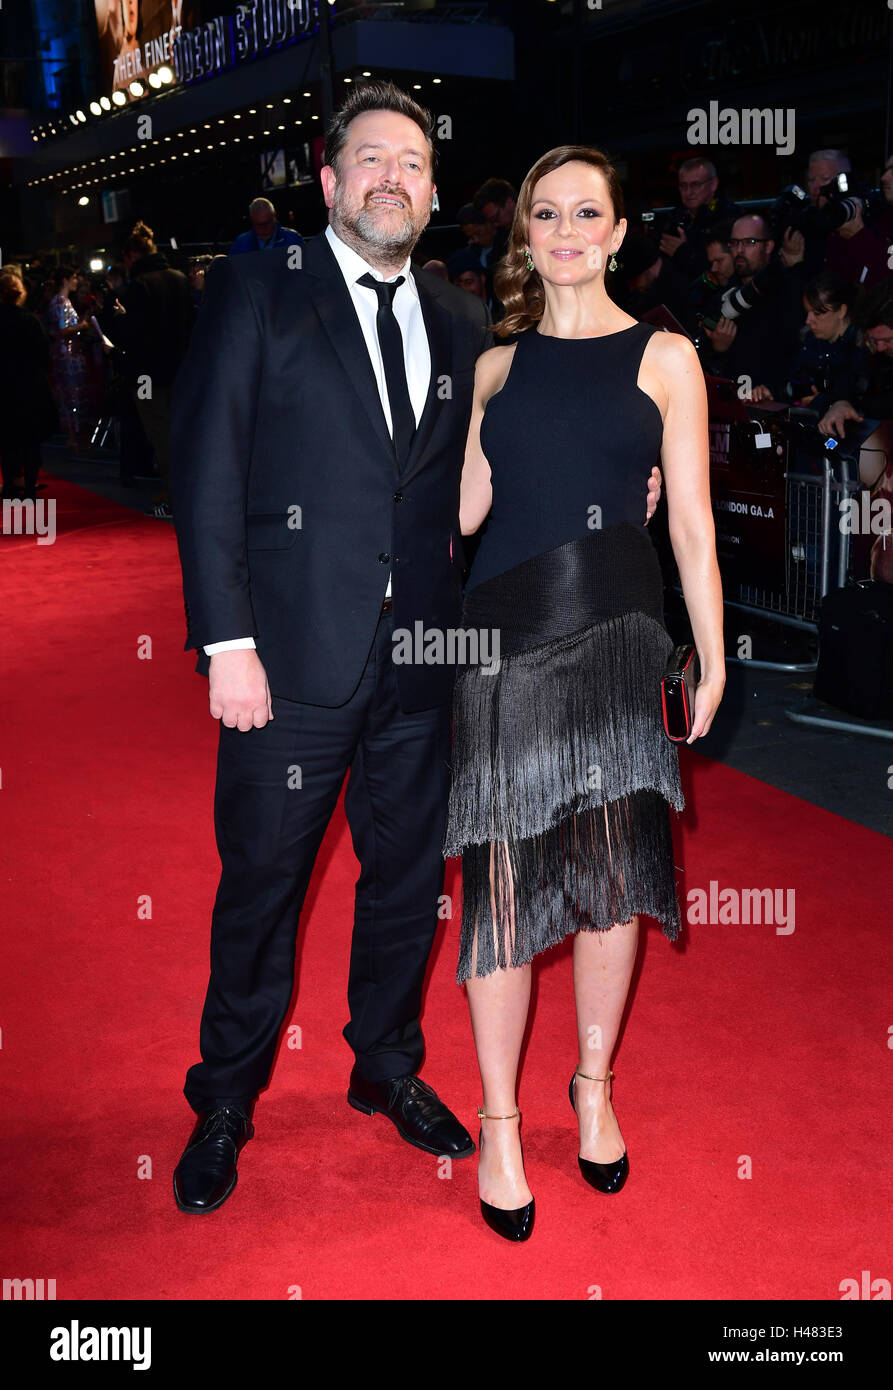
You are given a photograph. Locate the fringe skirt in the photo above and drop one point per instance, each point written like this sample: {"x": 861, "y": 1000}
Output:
{"x": 562, "y": 774}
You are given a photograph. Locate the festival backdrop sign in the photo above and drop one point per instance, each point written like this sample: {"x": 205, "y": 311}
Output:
{"x": 136, "y": 37}
{"x": 195, "y": 38}
{"x": 252, "y": 30}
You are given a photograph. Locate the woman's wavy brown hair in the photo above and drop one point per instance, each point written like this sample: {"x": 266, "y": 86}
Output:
{"x": 521, "y": 290}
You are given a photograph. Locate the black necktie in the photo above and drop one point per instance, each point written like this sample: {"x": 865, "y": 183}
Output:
{"x": 390, "y": 340}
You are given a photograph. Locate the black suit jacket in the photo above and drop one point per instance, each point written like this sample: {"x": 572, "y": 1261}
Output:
{"x": 288, "y": 505}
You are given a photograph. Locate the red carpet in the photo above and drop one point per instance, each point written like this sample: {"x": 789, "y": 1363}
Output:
{"x": 743, "y": 1045}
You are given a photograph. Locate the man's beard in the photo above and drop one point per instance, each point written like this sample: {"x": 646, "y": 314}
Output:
{"x": 363, "y": 228}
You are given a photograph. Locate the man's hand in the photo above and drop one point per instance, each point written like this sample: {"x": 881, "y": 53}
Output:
{"x": 723, "y": 335}
{"x": 239, "y": 692}
{"x": 761, "y": 393}
{"x": 670, "y": 244}
{"x": 835, "y": 420}
{"x": 793, "y": 245}
{"x": 654, "y": 483}
{"x": 855, "y": 224}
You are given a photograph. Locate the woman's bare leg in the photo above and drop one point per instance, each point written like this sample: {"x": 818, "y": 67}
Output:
{"x": 498, "y": 1004}
{"x": 603, "y": 967}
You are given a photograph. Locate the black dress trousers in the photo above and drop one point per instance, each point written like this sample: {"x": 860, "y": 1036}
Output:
{"x": 276, "y": 790}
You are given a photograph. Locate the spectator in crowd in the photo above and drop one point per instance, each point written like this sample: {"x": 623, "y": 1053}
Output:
{"x": 28, "y": 412}
{"x": 830, "y": 345}
{"x": 760, "y": 312}
{"x": 465, "y": 270}
{"x": 479, "y": 238}
{"x": 69, "y": 365}
{"x": 701, "y": 295}
{"x": 437, "y": 268}
{"x": 477, "y": 231}
{"x": 864, "y": 390}
{"x": 823, "y": 166}
{"x": 198, "y": 267}
{"x": 88, "y": 301}
{"x": 266, "y": 231}
{"x": 884, "y": 220}
{"x": 115, "y": 283}
{"x": 857, "y": 251}
{"x": 720, "y": 261}
{"x": 135, "y": 451}
{"x": 701, "y": 205}
{"x": 646, "y": 278}
{"x": 17, "y": 271}
{"x": 154, "y": 322}
{"x": 495, "y": 203}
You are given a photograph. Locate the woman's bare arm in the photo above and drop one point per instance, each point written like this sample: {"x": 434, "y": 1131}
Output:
{"x": 686, "y": 467}
{"x": 476, "y": 492}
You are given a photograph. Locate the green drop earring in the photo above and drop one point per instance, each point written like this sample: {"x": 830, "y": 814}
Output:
{"x": 529, "y": 260}
{"x": 612, "y": 263}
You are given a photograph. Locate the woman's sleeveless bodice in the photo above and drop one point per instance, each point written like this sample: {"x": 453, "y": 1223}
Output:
{"x": 571, "y": 440}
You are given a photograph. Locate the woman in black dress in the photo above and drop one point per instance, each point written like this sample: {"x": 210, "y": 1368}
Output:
{"x": 563, "y": 777}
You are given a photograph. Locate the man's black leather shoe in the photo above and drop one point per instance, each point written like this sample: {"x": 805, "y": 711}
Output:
{"x": 420, "y": 1116}
{"x": 206, "y": 1173}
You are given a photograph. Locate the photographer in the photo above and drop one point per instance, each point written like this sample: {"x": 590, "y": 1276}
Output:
{"x": 857, "y": 250}
{"x": 757, "y": 328}
{"x": 830, "y": 346}
{"x": 702, "y": 298}
{"x": 683, "y": 236}
{"x": 645, "y": 279}
{"x": 864, "y": 389}
{"x": 835, "y": 227}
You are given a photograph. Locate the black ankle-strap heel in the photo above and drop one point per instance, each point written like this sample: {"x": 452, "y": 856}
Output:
{"x": 604, "y": 1177}
{"x": 516, "y": 1224}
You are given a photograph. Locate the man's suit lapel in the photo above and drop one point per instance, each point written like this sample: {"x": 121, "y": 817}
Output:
{"x": 335, "y": 308}
{"x": 438, "y": 328}
{"x": 339, "y": 318}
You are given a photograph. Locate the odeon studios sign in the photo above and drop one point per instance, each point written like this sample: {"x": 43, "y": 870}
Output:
{"x": 253, "y": 29}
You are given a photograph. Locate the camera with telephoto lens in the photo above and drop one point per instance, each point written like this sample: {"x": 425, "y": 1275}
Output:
{"x": 793, "y": 209}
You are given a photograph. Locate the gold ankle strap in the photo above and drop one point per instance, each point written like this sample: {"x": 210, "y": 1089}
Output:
{"x": 483, "y": 1116}
{"x": 609, "y": 1077}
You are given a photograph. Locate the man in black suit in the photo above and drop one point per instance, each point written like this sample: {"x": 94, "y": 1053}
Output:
{"x": 318, "y": 436}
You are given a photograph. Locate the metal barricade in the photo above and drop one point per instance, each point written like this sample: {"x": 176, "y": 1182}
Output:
{"x": 817, "y": 551}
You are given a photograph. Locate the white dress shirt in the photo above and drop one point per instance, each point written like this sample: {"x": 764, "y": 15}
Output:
{"x": 416, "y": 353}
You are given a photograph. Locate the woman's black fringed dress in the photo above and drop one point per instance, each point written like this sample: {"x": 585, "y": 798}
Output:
{"x": 562, "y": 774}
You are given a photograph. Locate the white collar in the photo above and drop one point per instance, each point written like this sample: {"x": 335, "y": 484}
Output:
{"x": 353, "y": 266}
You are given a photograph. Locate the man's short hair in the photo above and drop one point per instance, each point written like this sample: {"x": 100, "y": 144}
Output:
{"x": 376, "y": 96}
{"x": 261, "y": 205}
{"x": 757, "y": 217}
{"x": 721, "y": 232}
{"x": 461, "y": 262}
{"x": 688, "y": 165}
{"x": 496, "y": 191}
{"x": 833, "y": 156}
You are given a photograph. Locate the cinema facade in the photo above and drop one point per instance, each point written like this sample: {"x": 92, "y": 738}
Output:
{"x": 196, "y": 119}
